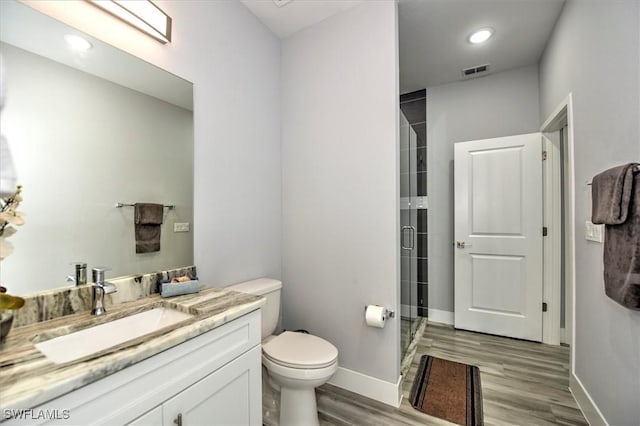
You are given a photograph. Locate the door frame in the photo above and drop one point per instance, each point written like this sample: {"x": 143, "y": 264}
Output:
{"x": 551, "y": 333}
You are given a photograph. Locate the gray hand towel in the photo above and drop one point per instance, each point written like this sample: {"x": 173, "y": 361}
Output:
{"x": 622, "y": 254}
{"x": 610, "y": 195}
{"x": 148, "y": 218}
{"x": 147, "y": 238}
{"x": 148, "y": 213}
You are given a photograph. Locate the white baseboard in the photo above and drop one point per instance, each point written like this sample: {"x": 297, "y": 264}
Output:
{"x": 371, "y": 387}
{"x": 589, "y": 408}
{"x": 443, "y": 317}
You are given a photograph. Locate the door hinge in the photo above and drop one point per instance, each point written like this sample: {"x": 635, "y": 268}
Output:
{"x": 544, "y": 155}
{"x": 544, "y": 306}
{"x": 545, "y": 231}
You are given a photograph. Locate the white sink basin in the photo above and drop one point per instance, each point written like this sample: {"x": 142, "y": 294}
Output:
{"x": 91, "y": 340}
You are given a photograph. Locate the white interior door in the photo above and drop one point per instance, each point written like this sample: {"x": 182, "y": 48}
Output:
{"x": 498, "y": 236}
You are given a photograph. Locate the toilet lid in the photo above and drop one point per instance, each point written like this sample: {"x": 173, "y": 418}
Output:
{"x": 300, "y": 350}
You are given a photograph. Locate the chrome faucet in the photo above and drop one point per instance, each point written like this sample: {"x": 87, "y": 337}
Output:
{"x": 99, "y": 288}
{"x": 81, "y": 274}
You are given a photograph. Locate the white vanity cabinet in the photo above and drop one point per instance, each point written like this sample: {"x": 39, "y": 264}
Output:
{"x": 218, "y": 399}
{"x": 152, "y": 418}
{"x": 211, "y": 379}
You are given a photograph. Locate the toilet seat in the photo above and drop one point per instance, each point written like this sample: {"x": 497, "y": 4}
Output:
{"x": 300, "y": 351}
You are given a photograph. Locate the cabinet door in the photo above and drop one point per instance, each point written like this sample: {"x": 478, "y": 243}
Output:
{"x": 150, "y": 418}
{"x": 229, "y": 396}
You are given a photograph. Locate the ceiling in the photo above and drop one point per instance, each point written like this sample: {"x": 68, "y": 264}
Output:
{"x": 433, "y": 37}
{"x": 433, "y": 33}
{"x": 296, "y": 15}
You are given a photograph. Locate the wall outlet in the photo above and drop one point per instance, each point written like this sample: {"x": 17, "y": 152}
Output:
{"x": 181, "y": 227}
{"x": 593, "y": 232}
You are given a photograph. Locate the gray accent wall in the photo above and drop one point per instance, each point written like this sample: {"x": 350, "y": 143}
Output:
{"x": 594, "y": 53}
{"x": 340, "y": 205}
{"x": 500, "y": 104}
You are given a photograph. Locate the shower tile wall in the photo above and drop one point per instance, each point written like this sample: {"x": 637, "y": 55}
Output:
{"x": 414, "y": 107}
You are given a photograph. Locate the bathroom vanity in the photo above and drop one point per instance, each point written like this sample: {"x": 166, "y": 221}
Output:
{"x": 205, "y": 369}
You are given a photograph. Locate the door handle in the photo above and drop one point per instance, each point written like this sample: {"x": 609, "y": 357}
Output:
{"x": 413, "y": 237}
{"x": 462, "y": 244}
{"x": 178, "y": 420}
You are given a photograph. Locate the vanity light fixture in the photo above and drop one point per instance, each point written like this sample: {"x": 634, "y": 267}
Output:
{"x": 480, "y": 36}
{"x": 77, "y": 43}
{"x": 144, "y": 15}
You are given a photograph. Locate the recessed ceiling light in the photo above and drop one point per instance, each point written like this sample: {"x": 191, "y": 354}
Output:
{"x": 480, "y": 36}
{"x": 77, "y": 43}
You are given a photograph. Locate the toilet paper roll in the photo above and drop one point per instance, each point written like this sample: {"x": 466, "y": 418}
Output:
{"x": 376, "y": 316}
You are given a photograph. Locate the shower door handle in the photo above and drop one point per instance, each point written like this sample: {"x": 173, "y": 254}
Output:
{"x": 413, "y": 237}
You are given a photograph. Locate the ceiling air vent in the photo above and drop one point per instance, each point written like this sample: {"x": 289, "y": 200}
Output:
{"x": 281, "y": 3}
{"x": 476, "y": 71}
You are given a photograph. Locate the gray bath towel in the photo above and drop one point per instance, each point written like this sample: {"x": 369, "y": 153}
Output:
{"x": 622, "y": 249}
{"x": 610, "y": 195}
{"x": 148, "y": 218}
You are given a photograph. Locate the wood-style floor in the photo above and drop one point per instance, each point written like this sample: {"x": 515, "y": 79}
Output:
{"x": 523, "y": 383}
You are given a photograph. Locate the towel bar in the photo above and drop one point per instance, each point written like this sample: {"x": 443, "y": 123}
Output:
{"x": 635, "y": 169}
{"x": 166, "y": 206}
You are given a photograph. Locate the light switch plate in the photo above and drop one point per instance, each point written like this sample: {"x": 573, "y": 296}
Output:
{"x": 593, "y": 232}
{"x": 181, "y": 227}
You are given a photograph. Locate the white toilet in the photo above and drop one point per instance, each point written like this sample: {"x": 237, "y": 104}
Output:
{"x": 296, "y": 362}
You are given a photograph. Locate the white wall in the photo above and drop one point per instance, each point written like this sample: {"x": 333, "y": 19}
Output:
{"x": 340, "y": 184}
{"x": 234, "y": 63}
{"x": 497, "y": 105}
{"x": 81, "y": 144}
{"x": 602, "y": 70}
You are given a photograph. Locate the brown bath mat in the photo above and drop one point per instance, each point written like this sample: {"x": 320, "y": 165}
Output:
{"x": 449, "y": 390}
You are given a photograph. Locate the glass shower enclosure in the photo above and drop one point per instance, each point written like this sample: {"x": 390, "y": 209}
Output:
{"x": 408, "y": 234}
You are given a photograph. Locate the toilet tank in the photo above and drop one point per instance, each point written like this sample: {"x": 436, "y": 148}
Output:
{"x": 270, "y": 290}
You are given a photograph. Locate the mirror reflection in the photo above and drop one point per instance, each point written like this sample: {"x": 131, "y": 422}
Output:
{"x": 81, "y": 143}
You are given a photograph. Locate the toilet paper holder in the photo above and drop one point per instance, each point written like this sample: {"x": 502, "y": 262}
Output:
{"x": 388, "y": 312}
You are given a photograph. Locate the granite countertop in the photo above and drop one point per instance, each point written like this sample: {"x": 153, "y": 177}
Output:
{"x": 28, "y": 378}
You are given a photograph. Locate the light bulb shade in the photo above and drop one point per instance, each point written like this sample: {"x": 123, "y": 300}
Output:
{"x": 480, "y": 36}
{"x": 141, "y": 14}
